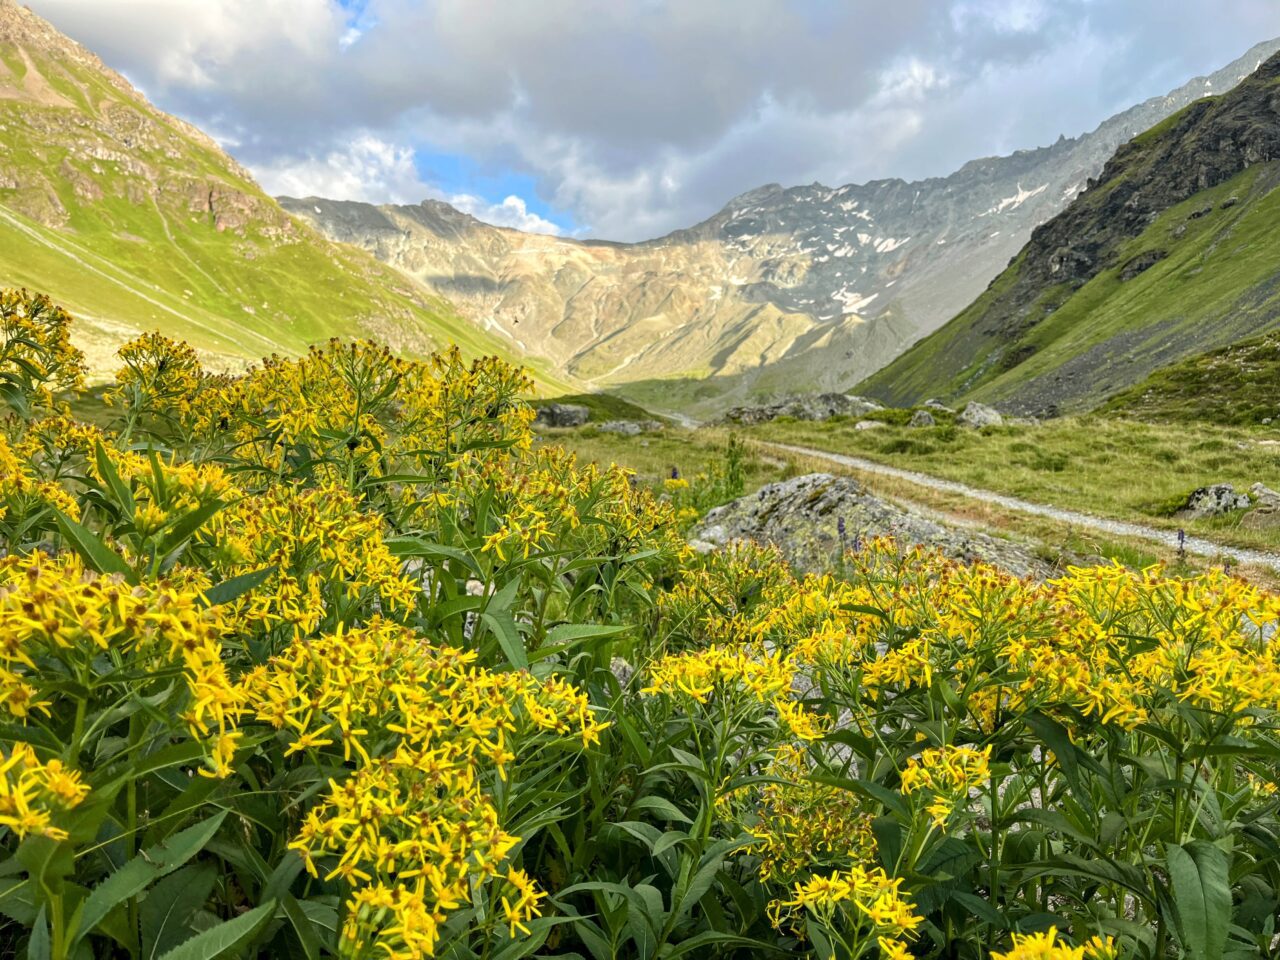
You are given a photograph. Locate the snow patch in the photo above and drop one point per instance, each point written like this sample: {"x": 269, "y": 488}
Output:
{"x": 1017, "y": 200}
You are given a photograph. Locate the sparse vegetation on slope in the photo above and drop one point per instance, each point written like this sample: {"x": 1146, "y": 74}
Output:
{"x": 1237, "y": 385}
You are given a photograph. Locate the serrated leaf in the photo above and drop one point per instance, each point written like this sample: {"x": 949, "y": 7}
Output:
{"x": 226, "y": 937}
{"x": 144, "y": 869}
{"x": 165, "y": 915}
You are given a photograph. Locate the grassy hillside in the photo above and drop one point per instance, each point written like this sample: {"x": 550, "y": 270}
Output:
{"x": 1170, "y": 254}
{"x": 1235, "y": 385}
{"x": 1107, "y": 467}
{"x": 135, "y": 220}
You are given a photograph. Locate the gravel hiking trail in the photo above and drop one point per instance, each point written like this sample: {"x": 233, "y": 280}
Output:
{"x": 1169, "y": 538}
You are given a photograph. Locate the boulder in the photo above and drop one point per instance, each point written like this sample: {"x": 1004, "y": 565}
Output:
{"x": 803, "y": 518}
{"x": 868, "y": 425}
{"x": 1214, "y": 501}
{"x": 562, "y": 415}
{"x": 922, "y": 418}
{"x": 978, "y": 415}
{"x": 933, "y": 403}
{"x": 628, "y": 428}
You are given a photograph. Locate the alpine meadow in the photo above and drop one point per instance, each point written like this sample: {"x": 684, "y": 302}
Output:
{"x": 871, "y": 572}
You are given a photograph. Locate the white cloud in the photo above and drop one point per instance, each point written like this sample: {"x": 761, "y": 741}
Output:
{"x": 376, "y": 171}
{"x": 638, "y": 118}
{"x": 368, "y": 169}
{"x": 511, "y": 212}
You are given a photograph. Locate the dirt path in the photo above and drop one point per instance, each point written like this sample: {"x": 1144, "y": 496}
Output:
{"x": 1194, "y": 545}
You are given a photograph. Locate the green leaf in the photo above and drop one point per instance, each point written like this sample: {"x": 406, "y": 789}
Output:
{"x": 95, "y": 553}
{"x": 302, "y": 926}
{"x": 185, "y": 526}
{"x": 148, "y": 866}
{"x": 166, "y": 914}
{"x": 663, "y": 808}
{"x": 1199, "y": 874}
{"x": 236, "y": 587}
{"x": 503, "y": 626}
{"x": 567, "y": 632}
{"x": 117, "y": 486}
{"x": 38, "y": 947}
{"x": 226, "y": 937}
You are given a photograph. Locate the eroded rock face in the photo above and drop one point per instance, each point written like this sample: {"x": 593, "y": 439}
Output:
{"x": 562, "y": 415}
{"x": 629, "y": 428}
{"x": 819, "y": 406}
{"x": 802, "y": 518}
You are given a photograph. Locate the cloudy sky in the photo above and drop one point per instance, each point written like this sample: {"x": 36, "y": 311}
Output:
{"x": 625, "y": 119}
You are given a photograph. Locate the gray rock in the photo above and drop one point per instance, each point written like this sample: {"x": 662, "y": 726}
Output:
{"x": 922, "y": 418}
{"x": 977, "y": 415}
{"x": 562, "y": 415}
{"x": 802, "y": 518}
{"x": 629, "y": 428}
{"x": 868, "y": 425}
{"x": 1266, "y": 513}
{"x": 1265, "y": 496}
{"x": 1214, "y": 501}
{"x": 818, "y": 406}
{"x": 933, "y": 403}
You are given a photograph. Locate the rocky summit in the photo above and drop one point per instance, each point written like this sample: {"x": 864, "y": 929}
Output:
{"x": 812, "y": 284}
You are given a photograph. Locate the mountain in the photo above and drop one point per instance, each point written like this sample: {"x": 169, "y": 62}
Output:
{"x": 135, "y": 220}
{"x": 1170, "y": 252}
{"x": 809, "y": 285}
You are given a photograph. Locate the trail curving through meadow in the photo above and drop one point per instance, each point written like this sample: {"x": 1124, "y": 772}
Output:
{"x": 1193, "y": 545}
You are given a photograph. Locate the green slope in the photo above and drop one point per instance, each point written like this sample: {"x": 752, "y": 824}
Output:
{"x": 1170, "y": 254}
{"x": 1237, "y": 385}
{"x": 134, "y": 220}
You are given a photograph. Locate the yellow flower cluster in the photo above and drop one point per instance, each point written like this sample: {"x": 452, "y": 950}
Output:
{"x": 1047, "y": 946}
{"x": 159, "y": 376}
{"x": 36, "y": 353}
{"x": 947, "y": 774}
{"x": 322, "y": 545}
{"x": 54, "y": 607}
{"x": 23, "y": 492}
{"x": 32, "y": 793}
{"x": 798, "y": 822}
{"x": 368, "y": 413}
{"x": 411, "y": 829}
{"x": 860, "y": 906}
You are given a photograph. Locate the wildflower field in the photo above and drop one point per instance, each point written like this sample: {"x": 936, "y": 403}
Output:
{"x": 330, "y": 659}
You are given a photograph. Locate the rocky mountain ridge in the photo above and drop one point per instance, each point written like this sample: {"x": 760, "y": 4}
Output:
{"x": 1167, "y": 254}
{"x": 813, "y": 284}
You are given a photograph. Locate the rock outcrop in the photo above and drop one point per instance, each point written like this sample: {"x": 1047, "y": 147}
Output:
{"x": 818, "y": 406}
{"x": 978, "y": 415}
{"x": 562, "y": 415}
{"x": 803, "y": 518}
